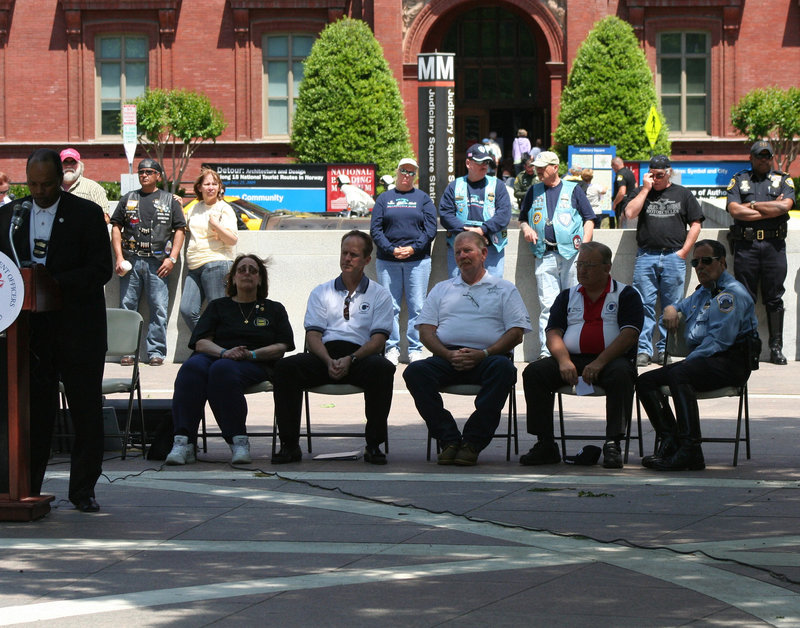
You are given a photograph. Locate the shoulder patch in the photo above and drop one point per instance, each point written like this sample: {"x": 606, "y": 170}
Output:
{"x": 732, "y": 183}
{"x": 790, "y": 182}
{"x": 726, "y": 302}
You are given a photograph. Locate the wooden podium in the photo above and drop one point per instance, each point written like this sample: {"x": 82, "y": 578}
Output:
{"x": 42, "y": 294}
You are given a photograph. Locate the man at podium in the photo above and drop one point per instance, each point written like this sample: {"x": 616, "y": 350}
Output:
{"x": 68, "y": 235}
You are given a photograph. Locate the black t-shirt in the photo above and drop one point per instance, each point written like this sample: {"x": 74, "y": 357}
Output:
{"x": 665, "y": 216}
{"x": 223, "y": 322}
{"x": 628, "y": 179}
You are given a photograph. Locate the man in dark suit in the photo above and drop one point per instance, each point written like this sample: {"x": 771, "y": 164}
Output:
{"x": 69, "y": 236}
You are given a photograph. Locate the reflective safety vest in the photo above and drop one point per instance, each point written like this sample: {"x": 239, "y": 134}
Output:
{"x": 567, "y": 222}
{"x": 499, "y": 240}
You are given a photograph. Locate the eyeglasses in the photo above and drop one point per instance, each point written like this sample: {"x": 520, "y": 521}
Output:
{"x": 408, "y": 173}
{"x": 587, "y": 264}
{"x": 659, "y": 175}
{"x": 244, "y": 270}
{"x": 148, "y": 173}
{"x": 472, "y": 300}
{"x": 346, "y": 312}
{"x": 706, "y": 261}
{"x": 763, "y": 156}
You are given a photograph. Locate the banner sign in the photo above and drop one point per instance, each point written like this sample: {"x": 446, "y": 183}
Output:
{"x": 362, "y": 176}
{"x": 293, "y": 187}
{"x": 129, "y": 133}
{"x": 705, "y": 179}
{"x": 436, "y": 102}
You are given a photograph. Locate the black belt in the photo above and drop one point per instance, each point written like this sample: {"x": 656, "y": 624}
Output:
{"x": 749, "y": 233}
{"x": 550, "y": 247}
{"x": 660, "y": 251}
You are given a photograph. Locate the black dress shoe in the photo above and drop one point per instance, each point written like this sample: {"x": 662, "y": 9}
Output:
{"x": 374, "y": 455}
{"x": 87, "y": 504}
{"x": 287, "y": 455}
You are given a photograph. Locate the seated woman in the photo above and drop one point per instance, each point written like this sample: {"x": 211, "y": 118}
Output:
{"x": 236, "y": 342}
{"x": 211, "y": 226}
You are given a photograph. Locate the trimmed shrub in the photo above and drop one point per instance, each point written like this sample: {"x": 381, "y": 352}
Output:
{"x": 349, "y": 107}
{"x": 609, "y": 93}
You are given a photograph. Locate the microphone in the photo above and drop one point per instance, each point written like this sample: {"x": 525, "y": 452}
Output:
{"x": 20, "y": 211}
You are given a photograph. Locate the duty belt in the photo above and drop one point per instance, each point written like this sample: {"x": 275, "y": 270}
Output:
{"x": 749, "y": 233}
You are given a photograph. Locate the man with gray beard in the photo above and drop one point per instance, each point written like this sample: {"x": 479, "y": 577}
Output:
{"x": 75, "y": 183}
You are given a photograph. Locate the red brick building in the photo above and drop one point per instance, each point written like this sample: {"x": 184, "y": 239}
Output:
{"x": 66, "y": 65}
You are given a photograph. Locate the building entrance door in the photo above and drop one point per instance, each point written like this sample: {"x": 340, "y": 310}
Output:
{"x": 497, "y": 78}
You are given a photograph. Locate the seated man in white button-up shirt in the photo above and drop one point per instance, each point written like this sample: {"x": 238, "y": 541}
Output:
{"x": 348, "y": 320}
{"x": 471, "y": 324}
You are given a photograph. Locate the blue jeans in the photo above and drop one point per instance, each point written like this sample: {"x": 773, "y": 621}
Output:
{"x": 495, "y": 375}
{"x": 657, "y": 274}
{"x": 554, "y": 273}
{"x": 206, "y": 282}
{"x": 143, "y": 276}
{"x": 411, "y": 279}
{"x": 220, "y": 381}
{"x": 495, "y": 262}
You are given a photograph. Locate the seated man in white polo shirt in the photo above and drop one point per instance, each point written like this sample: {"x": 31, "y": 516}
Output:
{"x": 471, "y": 324}
{"x": 348, "y": 320}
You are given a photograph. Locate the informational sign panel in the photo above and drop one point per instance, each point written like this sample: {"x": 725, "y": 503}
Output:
{"x": 598, "y": 158}
{"x": 436, "y": 102}
{"x": 293, "y": 187}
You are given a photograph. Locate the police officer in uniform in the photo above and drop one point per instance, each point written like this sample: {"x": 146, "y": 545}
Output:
{"x": 759, "y": 200}
{"x": 720, "y": 323}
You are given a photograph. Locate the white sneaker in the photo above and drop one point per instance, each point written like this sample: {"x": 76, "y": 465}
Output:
{"x": 240, "y": 448}
{"x": 393, "y": 355}
{"x": 182, "y": 451}
{"x": 415, "y": 356}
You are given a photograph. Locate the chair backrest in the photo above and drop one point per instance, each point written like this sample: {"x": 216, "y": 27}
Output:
{"x": 676, "y": 339}
{"x": 124, "y": 331}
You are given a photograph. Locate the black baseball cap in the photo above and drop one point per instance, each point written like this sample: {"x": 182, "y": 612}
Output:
{"x": 761, "y": 146}
{"x": 479, "y": 153}
{"x": 586, "y": 457}
{"x": 660, "y": 162}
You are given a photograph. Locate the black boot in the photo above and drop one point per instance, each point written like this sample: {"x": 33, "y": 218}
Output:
{"x": 690, "y": 454}
{"x": 663, "y": 421}
{"x": 775, "y": 325}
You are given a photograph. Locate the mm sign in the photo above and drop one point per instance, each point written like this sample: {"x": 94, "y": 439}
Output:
{"x": 435, "y": 67}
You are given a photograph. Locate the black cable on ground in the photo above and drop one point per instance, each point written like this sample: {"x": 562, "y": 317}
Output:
{"x": 513, "y": 526}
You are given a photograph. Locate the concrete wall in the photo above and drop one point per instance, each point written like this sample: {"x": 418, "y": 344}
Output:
{"x": 302, "y": 259}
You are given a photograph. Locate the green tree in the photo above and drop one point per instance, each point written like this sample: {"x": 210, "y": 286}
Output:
{"x": 349, "y": 107}
{"x": 172, "y": 124}
{"x": 771, "y": 113}
{"x": 609, "y": 93}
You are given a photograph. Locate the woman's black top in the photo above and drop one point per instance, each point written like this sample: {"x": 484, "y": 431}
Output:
{"x": 224, "y": 322}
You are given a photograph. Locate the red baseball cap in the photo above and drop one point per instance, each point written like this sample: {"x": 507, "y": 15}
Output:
{"x": 70, "y": 152}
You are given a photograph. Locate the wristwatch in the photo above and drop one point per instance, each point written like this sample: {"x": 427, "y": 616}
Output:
{"x": 353, "y": 359}
{"x": 752, "y": 204}
{"x": 174, "y": 260}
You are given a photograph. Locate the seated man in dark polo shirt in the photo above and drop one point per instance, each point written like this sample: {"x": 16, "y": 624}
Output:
{"x": 591, "y": 333}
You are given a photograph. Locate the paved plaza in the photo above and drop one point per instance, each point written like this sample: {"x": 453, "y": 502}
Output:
{"x": 344, "y": 543}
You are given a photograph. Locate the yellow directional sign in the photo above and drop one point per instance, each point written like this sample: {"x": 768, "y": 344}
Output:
{"x": 653, "y": 126}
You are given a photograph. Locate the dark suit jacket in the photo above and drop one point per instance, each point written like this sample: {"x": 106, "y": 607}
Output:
{"x": 79, "y": 259}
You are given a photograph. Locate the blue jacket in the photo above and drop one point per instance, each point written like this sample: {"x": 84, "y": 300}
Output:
{"x": 714, "y": 322}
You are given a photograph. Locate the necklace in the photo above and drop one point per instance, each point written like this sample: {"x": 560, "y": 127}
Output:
{"x": 252, "y": 309}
